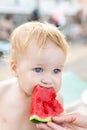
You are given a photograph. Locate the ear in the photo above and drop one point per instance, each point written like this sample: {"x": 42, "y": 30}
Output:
{"x": 13, "y": 66}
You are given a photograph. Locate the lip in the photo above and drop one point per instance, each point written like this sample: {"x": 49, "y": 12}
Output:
{"x": 46, "y": 86}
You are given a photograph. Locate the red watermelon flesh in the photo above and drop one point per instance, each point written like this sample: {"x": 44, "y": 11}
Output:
{"x": 44, "y": 104}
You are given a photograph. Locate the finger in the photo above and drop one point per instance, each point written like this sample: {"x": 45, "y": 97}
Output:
{"x": 54, "y": 126}
{"x": 74, "y": 118}
{"x": 43, "y": 126}
{"x": 69, "y": 126}
{"x": 64, "y": 118}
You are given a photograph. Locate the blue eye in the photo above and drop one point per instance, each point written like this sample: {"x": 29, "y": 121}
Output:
{"x": 56, "y": 71}
{"x": 38, "y": 69}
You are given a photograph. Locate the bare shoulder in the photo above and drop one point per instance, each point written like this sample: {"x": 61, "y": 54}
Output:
{"x": 5, "y": 85}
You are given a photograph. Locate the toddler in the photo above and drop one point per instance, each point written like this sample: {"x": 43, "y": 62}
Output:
{"x": 38, "y": 55}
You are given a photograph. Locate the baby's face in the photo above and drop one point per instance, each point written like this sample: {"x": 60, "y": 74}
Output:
{"x": 43, "y": 67}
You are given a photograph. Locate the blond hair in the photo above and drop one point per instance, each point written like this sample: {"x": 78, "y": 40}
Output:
{"x": 23, "y": 35}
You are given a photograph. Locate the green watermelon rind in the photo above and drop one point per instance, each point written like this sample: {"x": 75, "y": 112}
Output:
{"x": 37, "y": 119}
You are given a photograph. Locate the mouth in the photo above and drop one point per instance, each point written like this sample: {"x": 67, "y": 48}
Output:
{"x": 41, "y": 86}
{"x": 46, "y": 86}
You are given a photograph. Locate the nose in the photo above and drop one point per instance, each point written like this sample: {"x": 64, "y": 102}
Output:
{"x": 47, "y": 81}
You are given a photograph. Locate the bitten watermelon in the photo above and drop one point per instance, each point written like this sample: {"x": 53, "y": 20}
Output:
{"x": 44, "y": 105}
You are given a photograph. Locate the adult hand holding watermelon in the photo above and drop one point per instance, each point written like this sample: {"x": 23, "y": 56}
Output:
{"x": 44, "y": 105}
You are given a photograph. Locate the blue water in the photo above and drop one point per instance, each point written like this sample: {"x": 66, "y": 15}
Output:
{"x": 72, "y": 88}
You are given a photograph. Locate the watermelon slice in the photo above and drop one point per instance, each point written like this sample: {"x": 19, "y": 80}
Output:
{"x": 44, "y": 105}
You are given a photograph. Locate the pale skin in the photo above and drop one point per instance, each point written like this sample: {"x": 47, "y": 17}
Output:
{"x": 35, "y": 66}
{"x": 74, "y": 121}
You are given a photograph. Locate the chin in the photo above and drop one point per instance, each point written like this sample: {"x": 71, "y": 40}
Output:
{"x": 27, "y": 93}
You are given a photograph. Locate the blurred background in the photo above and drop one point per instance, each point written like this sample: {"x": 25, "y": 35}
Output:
{"x": 70, "y": 16}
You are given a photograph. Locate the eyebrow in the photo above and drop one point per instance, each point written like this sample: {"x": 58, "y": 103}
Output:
{"x": 39, "y": 64}
{"x": 56, "y": 65}
{"x": 60, "y": 66}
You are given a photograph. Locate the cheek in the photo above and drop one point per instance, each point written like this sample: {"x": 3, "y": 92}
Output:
{"x": 60, "y": 98}
{"x": 28, "y": 81}
{"x": 58, "y": 84}
{"x": 27, "y": 86}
